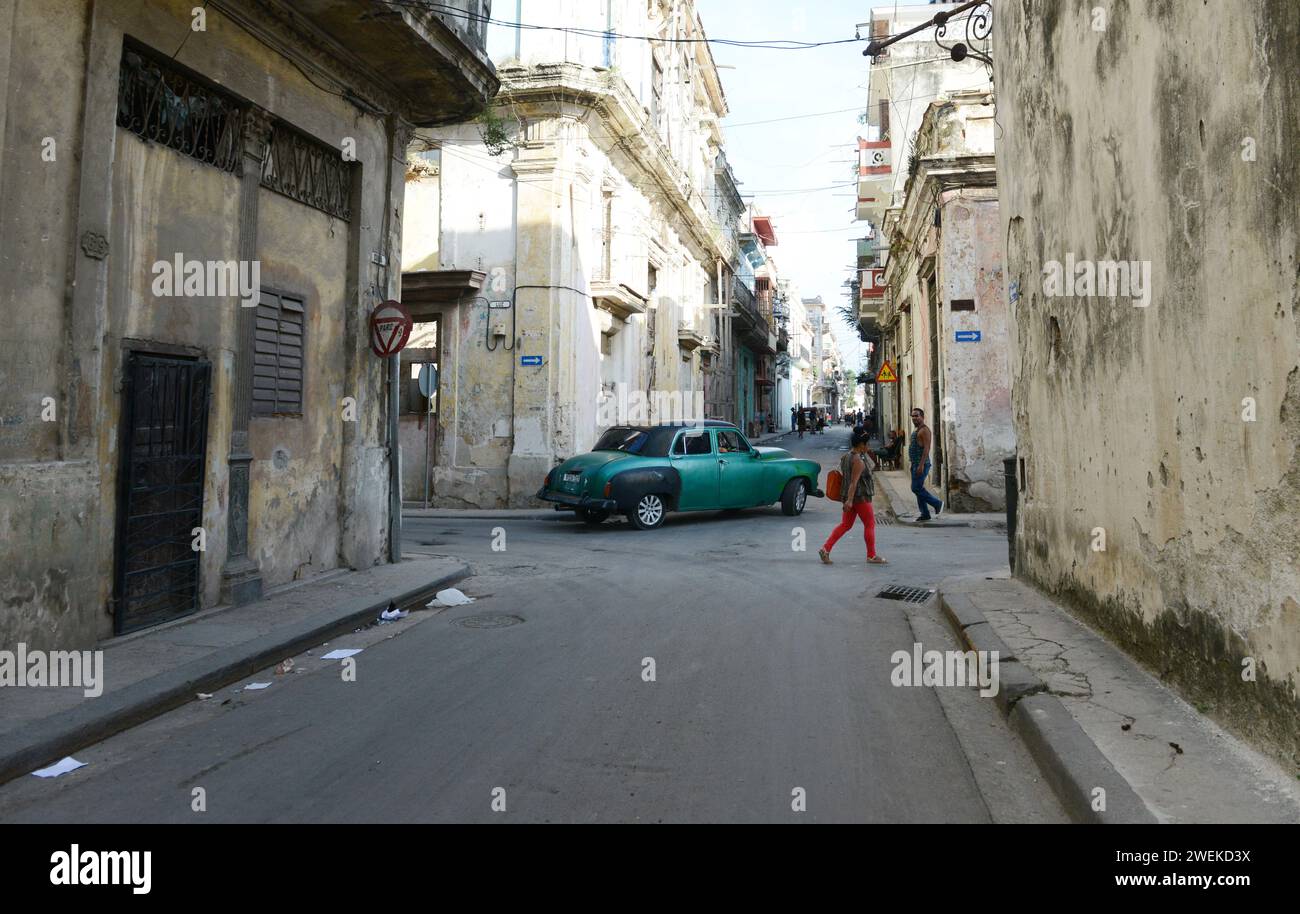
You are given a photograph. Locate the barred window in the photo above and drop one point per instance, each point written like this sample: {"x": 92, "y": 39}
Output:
{"x": 161, "y": 101}
{"x": 278, "y": 355}
{"x": 305, "y": 169}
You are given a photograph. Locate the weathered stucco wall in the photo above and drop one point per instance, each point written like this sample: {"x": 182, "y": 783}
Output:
{"x": 1134, "y": 143}
{"x": 294, "y": 498}
{"x": 78, "y": 237}
{"x": 975, "y": 416}
{"x": 200, "y": 220}
{"x": 48, "y": 499}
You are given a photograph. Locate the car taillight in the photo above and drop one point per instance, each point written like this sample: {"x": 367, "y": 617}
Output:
{"x": 609, "y": 488}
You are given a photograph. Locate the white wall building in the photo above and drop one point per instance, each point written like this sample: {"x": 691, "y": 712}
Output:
{"x": 567, "y": 257}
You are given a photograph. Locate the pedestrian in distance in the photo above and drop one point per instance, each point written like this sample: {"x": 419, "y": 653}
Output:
{"x": 918, "y": 455}
{"x": 859, "y": 488}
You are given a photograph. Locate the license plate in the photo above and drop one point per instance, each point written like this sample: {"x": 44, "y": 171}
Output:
{"x": 573, "y": 477}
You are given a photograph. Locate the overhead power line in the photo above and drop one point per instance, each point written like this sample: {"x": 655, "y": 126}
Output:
{"x": 770, "y": 44}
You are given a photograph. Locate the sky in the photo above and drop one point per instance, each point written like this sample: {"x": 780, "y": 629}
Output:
{"x": 815, "y": 228}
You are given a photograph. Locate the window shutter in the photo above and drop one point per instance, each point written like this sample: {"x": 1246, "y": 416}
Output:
{"x": 278, "y": 356}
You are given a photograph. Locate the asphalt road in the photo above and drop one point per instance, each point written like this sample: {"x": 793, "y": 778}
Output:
{"x": 771, "y": 683}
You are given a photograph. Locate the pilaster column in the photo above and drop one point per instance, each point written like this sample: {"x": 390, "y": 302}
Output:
{"x": 241, "y": 579}
{"x": 554, "y": 187}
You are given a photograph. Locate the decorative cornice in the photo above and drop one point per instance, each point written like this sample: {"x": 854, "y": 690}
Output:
{"x": 571, "y": 90}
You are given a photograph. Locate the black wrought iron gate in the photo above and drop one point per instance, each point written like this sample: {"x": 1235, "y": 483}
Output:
{"x": 160, "y": 490}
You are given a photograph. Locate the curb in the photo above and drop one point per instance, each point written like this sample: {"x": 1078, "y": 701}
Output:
{"x": 1066, "y": 755}
{"x": 61, "y": 734}
{"x": 486, "y": 514}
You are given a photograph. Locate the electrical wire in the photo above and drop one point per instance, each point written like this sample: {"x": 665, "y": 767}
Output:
{"x": 771, "y": 44}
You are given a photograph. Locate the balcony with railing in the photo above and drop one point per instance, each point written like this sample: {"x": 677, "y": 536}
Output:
{"x": 754, "y": 322}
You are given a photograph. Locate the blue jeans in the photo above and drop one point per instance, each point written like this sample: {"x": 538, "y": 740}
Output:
{"x": 924, "y": 500}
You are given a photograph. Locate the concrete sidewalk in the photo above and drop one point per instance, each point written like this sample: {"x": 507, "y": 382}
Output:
{"x": 897, "y": 485}
{"x": 149, "y": 673}
{"x": 1092, "y": 717}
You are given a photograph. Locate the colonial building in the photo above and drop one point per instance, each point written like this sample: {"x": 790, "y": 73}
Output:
{"x": 201, "y": 206}
{"x": 944, "y": 316}
{"x": 754, "y": 329}
{"x": 572, "y": 258}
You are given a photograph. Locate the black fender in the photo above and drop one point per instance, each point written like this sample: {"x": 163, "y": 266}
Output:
{"x": 627, "y": 487}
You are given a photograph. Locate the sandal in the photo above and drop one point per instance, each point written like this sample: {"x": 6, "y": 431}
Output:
{"x": 877, "y": 561}
{"x": 825, "y": 557}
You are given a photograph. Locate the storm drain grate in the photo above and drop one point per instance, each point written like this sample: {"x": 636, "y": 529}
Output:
{"x": 905, "y": 594}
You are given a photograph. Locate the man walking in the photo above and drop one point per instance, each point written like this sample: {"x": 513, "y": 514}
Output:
{"x": 918, "y": 454}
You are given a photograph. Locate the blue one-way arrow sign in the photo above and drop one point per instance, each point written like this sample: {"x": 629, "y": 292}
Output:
{"x": 530, "y": 361}
{"x": 969, "y": 336}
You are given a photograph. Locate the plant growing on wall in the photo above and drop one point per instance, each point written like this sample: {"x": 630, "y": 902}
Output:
{"x": 492, "y": 130}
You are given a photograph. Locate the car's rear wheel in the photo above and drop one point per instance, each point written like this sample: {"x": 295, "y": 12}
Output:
{"x": 794, "y": 498}
{"x": 649, "y": 513}
{"x": 593, "y": 516}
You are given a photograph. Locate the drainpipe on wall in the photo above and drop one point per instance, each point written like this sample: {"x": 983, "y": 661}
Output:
{"x": 1013, "y": 507}
{"x": 394, "y": 366}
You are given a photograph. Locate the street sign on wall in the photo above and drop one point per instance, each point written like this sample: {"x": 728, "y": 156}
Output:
{"x": 969, "y": 336}
{"x": 887, "y": 375}
{"x": 428, "y": 379}
{"x": 390, "y": 329}
{"x": 530, "y": 361}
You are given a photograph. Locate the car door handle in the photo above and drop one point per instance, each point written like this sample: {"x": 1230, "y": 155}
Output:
{"x": 722, "y": 462}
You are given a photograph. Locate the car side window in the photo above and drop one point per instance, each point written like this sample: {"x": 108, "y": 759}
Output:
{"x": 693, "y": 444}
{"x": 732, "y": 443}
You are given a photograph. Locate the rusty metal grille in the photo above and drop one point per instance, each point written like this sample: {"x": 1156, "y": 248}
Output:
{"x": 162, "y": 102}
{"x": 308, "y": 171}
{"x": 160, "y": 495}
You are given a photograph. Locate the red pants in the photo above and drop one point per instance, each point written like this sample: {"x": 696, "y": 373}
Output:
{"x": 863, "y": 510}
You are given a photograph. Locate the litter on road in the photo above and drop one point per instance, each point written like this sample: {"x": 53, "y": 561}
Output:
{"x": 341, "y": 653}
{"x": 63, "y": 766}
{"x": 392, "y": 613}
{"x": 451, "y": 597}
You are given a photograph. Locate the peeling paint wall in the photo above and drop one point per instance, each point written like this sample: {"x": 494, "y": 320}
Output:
{"x": 1160, "y": 443}
{"x": 294, "y": 499}
{"x": 79, "y": 235}
{"x": 946, "y": 277}
{"x": 975, "y": 409}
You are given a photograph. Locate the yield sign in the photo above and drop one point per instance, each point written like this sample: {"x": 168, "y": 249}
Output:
{"x": 390, "y": 329}
{"x": 886, "y": 375}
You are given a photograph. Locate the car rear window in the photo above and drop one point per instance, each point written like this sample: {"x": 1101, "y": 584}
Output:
{"x": 627, "y": 440}
{"x": 644, "y": 442}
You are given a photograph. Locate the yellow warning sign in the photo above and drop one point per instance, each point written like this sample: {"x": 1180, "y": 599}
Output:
{"x": 886, "y": 375}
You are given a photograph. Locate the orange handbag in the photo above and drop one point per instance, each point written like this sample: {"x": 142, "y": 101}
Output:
{"x": 835, "y": 485}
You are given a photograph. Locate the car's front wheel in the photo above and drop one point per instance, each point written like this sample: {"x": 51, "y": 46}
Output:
{"x": 649, "y": 513}
{"x": 593, "y": 516}
{"x": 794, "y": 498}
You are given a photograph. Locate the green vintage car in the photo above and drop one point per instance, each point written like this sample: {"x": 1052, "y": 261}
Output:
{"x": 646, "y": 472}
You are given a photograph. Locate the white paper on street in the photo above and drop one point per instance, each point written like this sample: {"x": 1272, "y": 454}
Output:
{"x": 341, "y": 653}
{"x": 63, "y": 766}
